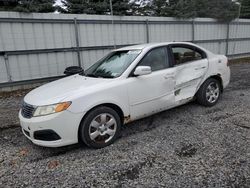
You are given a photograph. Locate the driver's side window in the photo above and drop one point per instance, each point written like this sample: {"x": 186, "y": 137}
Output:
{"x": 157, "y": 59}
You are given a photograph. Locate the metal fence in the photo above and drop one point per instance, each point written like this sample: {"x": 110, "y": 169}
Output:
{"x": 35, "y": 47}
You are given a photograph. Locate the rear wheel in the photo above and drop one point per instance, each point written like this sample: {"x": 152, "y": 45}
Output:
{"x": 209, "y": 92}
{"x": 100, "y": 127}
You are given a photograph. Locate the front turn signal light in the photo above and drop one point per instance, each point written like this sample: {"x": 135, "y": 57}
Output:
{"x": 62, "y": 106}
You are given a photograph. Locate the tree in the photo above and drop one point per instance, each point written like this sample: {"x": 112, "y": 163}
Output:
{"x": 120, "y": 7}
{"x": 27, "y": 5}
{"x": 223, "y": 10}
{"x": 75, "y": 7}
{"x": 8, "y": 5}
{"x": 141, "y": 7}
{"x": 184, "y": 9}
{"x": 161, "y": 8}
{"x": 245, "y": 9}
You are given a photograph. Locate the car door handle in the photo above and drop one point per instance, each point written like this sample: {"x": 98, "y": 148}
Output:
{"x": 199, "y": 68}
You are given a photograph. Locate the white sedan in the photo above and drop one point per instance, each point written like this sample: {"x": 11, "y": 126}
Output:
{"x": 128, "y": 84}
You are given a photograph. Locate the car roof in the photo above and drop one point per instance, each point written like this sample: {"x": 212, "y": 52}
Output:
{"x": 150, "y": 45}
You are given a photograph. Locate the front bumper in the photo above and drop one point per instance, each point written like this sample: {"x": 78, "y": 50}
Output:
{"x": 55, "y": 130}
{"x": 226, "y": 77}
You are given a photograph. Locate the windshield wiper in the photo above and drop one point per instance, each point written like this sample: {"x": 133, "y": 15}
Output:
{"x": 91, "y": 75}
{"x": 107, "y": 76}
{"x": 99, "y": 76}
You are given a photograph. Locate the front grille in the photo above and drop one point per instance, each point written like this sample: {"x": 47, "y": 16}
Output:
{"x": 27, "y": 110}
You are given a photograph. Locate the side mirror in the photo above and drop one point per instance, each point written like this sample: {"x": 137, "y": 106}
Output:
{"x": 142, "y": 70}
{"x": 73, "y": 70}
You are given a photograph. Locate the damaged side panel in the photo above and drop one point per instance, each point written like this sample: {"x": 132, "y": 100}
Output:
{"x": 188, "y": 78}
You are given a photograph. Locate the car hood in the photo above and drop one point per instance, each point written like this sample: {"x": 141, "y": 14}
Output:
{"x": 56, "y": 91}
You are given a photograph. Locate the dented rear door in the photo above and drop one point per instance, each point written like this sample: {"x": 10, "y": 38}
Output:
{"x": 188, "y": 78}
{"x": 190, "y": 65}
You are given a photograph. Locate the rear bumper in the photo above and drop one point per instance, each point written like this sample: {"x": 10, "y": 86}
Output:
{"x": 53, "y": 130}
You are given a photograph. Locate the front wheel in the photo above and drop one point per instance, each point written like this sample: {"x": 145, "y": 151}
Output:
{"x": 100, "y": 127}
{"x": 209, "y": 92}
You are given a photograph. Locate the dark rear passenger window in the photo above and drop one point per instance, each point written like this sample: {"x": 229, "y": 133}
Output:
{"x": 183, "y": 55}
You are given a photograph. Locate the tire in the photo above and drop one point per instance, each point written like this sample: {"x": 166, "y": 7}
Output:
{"x": 100, "y": 127}
{"x": 209, "y": 92}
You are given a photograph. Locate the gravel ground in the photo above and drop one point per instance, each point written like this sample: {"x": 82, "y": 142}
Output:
{"x": 188, "y": 146}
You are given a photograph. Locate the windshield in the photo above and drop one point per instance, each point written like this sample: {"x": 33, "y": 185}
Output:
{"x": 113, "y": 65}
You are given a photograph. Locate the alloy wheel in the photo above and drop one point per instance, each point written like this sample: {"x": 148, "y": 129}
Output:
{"x": 212, "y": 92}
{"x": 102, "y": 128}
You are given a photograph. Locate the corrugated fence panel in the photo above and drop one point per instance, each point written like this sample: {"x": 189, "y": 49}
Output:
{"x": 170, "y": 32}
{"x": 239, "y": 30}
{"x": 7, "y": 40}
{"x": 130, "y": 34}
{"x": 32, "y": 66}
{"x": 238, "y": 47}
{"x": 92, "y": 56}
{"x": 3, "y": 71}
{"x": 210, "y": 31}
{"x": 29, "y": 36}
{"x": 218, "y": 47}
{"x": 106, "y": 34}
{"x": 42, "y": 45}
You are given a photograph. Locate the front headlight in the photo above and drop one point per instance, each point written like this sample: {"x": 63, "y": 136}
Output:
{"x": 51, "y": 109}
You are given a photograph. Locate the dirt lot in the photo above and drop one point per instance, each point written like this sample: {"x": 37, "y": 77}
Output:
{"x": 189, "y": 146}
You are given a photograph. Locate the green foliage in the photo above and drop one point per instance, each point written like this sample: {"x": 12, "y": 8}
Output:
{"x": 161, "y": 8}
{"x": 184, "y": 9}
{"x": 8, "y": 5}
{"x": 140, "y": 8}
{"x": 120, "y": 7}
{"x": 27, "y": 5}
{"x": 222, "y": 10}
{"x": 76, "y": 7}
{"x": 245, "y": 9}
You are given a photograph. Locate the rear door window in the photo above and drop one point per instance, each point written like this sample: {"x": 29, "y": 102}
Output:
{"x": 184, "y": 54}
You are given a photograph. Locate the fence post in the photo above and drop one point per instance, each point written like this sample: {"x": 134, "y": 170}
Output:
{"x": 77, "y": 42}
{"x": 147, "y": 31}
{"x": 193, "y": 31}
{"x": 227, "y": 39}
{"x": 6, "y": 61}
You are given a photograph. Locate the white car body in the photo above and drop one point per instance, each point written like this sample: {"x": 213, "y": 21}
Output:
{"x": 136, "y": 97}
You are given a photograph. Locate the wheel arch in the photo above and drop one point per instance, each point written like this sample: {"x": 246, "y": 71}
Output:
{"x": 219, "y": 78}
{"x": 115, "y": 107}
